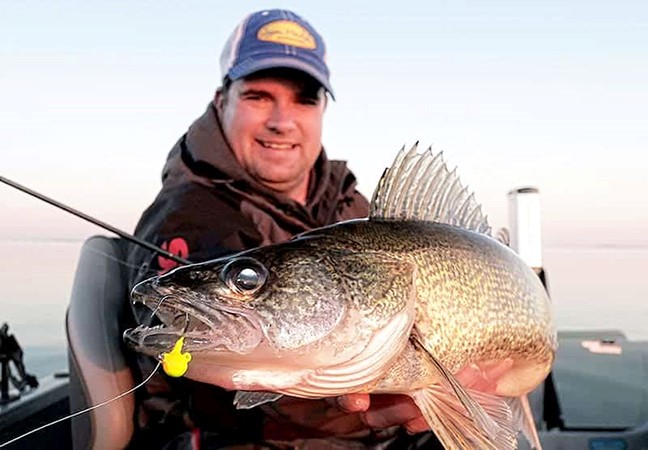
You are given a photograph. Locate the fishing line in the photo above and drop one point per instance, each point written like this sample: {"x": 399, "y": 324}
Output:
{"x": 119, "y": 261}
{"x": 78, "y": 413}
{"x": 174, "y": 364}
{"x": 124, "y": 263}
{"x": 160, "y": 304}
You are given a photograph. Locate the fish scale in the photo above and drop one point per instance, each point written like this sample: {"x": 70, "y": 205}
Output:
{"x": 454, "y": 293}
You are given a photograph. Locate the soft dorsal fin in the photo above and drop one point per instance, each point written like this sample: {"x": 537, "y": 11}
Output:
{"x": 419, "y": 186}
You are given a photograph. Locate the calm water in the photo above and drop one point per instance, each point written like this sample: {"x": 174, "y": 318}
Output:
{"x": 36, "y": 279}
{"x": 590, "y": 288}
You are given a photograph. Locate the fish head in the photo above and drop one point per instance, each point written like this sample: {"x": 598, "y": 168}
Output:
{"x": 232, "y": 304}
{"x": 299, "y": 299}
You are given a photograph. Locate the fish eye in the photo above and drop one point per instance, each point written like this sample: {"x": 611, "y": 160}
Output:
{"x": 244, "y": 275}
{"x": 247, "y": 279}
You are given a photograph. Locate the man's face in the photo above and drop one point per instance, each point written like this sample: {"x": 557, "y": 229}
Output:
{"x": 273, "y": 122}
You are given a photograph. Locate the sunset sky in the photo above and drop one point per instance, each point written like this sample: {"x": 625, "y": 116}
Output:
{"x": 94, "y": 94}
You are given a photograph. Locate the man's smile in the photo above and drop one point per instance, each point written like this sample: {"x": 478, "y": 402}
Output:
{"x": 276, "y": 145}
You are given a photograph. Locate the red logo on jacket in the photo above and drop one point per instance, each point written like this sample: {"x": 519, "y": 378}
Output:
{"x": 178, "y": 246}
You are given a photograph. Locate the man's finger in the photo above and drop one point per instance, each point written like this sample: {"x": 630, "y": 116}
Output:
{"x": 389, "y": 410}
{"x": 417, "y": 425}
{"x": 353, "y": 403}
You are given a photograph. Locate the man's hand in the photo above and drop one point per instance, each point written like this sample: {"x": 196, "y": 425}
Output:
{"x": 352, "y": 415}
{"x": 384, "y": 410}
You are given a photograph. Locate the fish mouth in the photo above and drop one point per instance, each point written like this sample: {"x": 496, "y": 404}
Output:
{"x": 205, "y": 323}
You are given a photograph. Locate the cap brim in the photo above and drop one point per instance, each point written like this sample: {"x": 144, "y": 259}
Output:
{"x": 248, "y": 67}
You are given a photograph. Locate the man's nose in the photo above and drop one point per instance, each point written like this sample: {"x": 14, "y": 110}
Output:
{"x": 281, "y": 119}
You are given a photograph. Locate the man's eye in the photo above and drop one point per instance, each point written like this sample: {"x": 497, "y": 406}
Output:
{"x": 309, "y": 101}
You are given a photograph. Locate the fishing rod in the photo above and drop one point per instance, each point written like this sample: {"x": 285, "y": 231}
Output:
{"x": 94, "y": 221}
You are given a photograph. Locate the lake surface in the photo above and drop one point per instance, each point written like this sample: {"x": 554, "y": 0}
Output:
{"x": 592, "y": 288}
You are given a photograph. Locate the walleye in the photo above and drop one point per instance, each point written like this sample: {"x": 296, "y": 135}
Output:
{"x": 417, "y": 299}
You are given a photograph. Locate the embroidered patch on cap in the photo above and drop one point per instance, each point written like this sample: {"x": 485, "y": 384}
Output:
{"x": 288, "y": 33}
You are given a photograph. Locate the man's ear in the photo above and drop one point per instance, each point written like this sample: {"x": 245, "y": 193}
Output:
{"x": 219, "y": 100}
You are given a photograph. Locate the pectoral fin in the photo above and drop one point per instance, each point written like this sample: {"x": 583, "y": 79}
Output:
{"x": 461, "y": 418}
{"x": 250, "y": 399}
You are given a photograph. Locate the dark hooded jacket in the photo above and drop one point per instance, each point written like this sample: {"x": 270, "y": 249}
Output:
{"x": 209, "y": 206}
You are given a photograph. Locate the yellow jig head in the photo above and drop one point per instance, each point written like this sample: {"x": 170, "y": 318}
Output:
{"x": 175, "y": 363}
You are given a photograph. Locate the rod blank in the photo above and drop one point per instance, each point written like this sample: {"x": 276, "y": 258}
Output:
{"x": 99, "y": 223}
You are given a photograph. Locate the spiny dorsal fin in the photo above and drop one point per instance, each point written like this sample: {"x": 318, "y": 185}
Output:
{"x": 504, "y": 236}
{"x": 419, "y": 186}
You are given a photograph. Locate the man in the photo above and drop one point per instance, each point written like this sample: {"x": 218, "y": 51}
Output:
{"x": 252, "y": 171}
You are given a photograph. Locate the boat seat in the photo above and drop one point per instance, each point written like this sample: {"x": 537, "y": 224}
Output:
{"x": 96, "y": 353}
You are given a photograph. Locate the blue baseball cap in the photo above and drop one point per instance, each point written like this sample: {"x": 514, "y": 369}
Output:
{"x": 275, "y": 38}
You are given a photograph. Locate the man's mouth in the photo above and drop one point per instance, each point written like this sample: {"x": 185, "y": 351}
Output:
{"x": 277, "y": 145}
